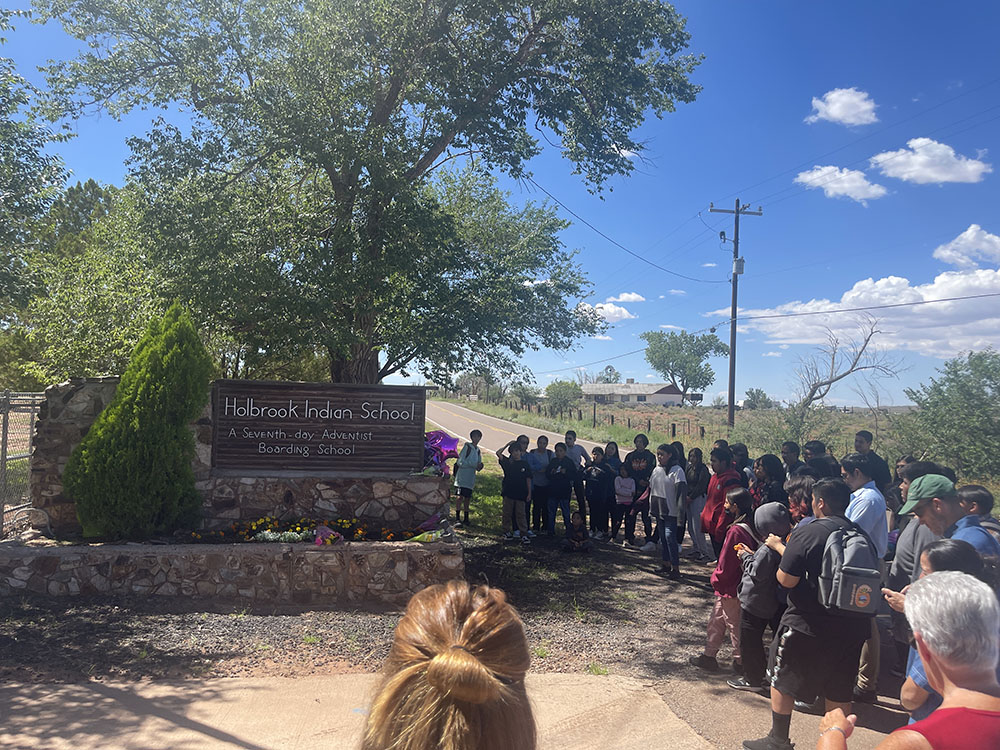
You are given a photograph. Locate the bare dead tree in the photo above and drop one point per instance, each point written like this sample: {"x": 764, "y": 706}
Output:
{"x": 838, "y": 360}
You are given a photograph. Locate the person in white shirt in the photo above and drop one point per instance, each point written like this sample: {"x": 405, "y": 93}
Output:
{"x": 667, "y": 487}
{"x": 867, "y": 509}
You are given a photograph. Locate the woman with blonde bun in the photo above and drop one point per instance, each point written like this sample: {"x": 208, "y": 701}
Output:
{"x": 454, "y": 677}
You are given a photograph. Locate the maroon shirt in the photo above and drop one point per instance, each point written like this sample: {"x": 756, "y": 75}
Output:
{"x": 714, "y": 520}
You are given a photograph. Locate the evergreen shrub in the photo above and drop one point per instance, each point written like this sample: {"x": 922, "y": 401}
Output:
{"x": 131, "y": 475}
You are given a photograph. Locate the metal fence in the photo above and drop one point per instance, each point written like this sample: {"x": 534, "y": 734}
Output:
{"x": 17, "y": 425}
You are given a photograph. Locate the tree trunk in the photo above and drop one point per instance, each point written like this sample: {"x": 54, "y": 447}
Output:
{"x": 360, "y": 366}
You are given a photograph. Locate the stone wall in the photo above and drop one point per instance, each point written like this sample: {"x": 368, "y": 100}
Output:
{"x": 353, "y": 573}
{"x": 63, "y": 419}
{"x": 70, "y": 408}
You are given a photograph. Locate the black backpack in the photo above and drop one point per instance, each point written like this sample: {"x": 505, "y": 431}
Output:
{"x": 850, "y": 582}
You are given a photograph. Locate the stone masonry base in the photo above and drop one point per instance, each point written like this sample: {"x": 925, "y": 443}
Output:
{"x": 348, "y": 573}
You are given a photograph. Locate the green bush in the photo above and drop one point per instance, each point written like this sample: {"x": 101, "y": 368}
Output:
{"x": 131, "y": 475}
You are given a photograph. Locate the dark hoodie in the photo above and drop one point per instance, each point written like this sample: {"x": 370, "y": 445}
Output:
{"x": 758, "y": 588}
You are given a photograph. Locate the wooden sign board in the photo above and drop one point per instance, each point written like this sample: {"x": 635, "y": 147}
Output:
{"x": 264, "y": 428}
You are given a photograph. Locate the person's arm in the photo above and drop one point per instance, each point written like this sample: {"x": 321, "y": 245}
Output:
{"x": 835, "y": 729}
{"x": 912, "y": 696}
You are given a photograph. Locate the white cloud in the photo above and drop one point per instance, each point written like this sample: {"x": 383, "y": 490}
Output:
{"x": 663, "y": 296}
{"x": 538, "y": 282}
{"x": 975, "y": 243}
{"x": 940, "y": 330}
{"x": 771, "y": 354}
{"x": 926, "y": 161}
{"x": 844, "y": 106}
{"x": 627, "y": 297}
{"x": 783, "y": 346}
{"x": 836, "y": 183}
{"x": 709, "y": 265}
{"x": 676, "y": 292}
{"x": 612, "y": 312}
{"x": 649, "y": 376}
{"x": 602, "y": 337}
{"x": 671, "y": 327}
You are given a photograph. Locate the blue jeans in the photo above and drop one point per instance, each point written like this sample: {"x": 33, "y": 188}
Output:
{"x": 668, "y": 540}
{"x": 561, "y": 503}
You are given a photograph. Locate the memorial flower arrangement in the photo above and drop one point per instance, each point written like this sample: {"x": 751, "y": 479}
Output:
{"x": 321, "y": 532}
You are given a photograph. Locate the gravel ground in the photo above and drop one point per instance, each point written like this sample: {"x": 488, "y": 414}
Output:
{"x": 582, "y": 613}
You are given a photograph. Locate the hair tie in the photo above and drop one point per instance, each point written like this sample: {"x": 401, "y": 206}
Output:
{"x": 461, "y": 647}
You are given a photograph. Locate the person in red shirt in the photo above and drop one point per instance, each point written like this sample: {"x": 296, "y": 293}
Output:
{"x": 955, "y": 619}
{"x": 740, "y": 536}
{"x": 714, "y": 521}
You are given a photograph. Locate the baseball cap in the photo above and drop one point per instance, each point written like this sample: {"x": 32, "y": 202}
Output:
{"x": 925, "y": 488}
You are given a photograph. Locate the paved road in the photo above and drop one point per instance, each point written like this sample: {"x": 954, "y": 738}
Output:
{"x": 460, "y": 421}
{"x": 572, "y": 712}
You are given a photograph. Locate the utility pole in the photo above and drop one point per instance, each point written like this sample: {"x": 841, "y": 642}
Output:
{"x": 741, "y": 209}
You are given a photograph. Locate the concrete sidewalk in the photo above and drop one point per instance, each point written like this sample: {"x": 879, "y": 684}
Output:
{"x": 572, "y": 711}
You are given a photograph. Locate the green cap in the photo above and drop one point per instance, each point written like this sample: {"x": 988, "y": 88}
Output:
{"x": 927, "y": 487}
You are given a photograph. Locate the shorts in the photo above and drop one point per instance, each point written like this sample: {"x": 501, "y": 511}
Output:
{"x": 807, "y": 667}
{"x": 465, "y": 492}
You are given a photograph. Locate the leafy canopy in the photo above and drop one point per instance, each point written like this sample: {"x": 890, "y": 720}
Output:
{"x": 562, "y": 394}
{"x": 680, "y": 358}
{"x": 960, "y": 414}
{"x": 315, "y": 129}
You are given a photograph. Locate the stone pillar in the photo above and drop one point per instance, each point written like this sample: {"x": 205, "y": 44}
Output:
{"x": 68, "y": 412}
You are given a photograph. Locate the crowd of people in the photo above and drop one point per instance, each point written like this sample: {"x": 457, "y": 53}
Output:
{"x": 803, "y": 544}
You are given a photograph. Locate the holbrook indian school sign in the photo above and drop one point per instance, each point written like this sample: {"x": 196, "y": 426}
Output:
{"x": 262, "y": 427}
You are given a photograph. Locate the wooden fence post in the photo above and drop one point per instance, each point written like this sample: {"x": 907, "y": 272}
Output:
{"x": 612, "y": 420}
{"x": 594, "y": 423}
{"x": 649, "y": 425}
{"x": 702, "y": 428}
{"x": 673, "y": 429}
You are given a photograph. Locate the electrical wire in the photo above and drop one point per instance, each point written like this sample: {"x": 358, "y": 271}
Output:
{"x": 620, "y": 245}
{"x": 727, "y": 321}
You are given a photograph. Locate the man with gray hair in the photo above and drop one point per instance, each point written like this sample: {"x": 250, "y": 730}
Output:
{"x": 956, "y": 624}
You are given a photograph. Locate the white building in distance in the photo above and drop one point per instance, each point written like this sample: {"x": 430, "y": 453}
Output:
{"x": 630, "y": 392}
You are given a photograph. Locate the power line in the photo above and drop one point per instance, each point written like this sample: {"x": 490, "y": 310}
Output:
{"x": 863, "y": 309}
{"x": 620, "y": 245}
{"x": 807, "y": 185}
{"x": 865, "y": 137}
{"x": 789, "y": 315}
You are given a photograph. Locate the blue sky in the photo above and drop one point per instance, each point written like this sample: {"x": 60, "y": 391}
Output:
{"x": 867, "y": 131}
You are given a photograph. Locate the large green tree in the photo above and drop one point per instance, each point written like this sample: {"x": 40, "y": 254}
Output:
{"x": 959, "y": 414}
{"x": 329, "y": 117}
{"x": 30, "y": 179}
{"x": 682, "y": 358}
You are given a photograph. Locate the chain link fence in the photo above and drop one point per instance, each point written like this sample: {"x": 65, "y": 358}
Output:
{"x": 17, "y": 425}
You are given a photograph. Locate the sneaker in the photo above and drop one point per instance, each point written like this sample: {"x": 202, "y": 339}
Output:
{"x": 530, "y": 534}
{"x": 768, "y": 743}
{"x": 674, "y": 575}
{"x": 457, "y": 525}
{"x": 517, "y": 535}
{"x": 740, "y": 683}
{"x": 507, "y": 536}
{"x": 525, "y": 540}
{"x": 708, "y": 663}
{"x": 648, "y": 547}
{"x": 711, "y": 563}
{"x": 864, "y": 696}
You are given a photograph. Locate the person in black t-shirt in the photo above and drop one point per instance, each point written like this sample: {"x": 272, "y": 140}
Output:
{"x": 880, "y": 468}
{"x": 815, "y": 652}
{"x": 640, "y": 463}
{"x": 561, "y": 473}
{"x": 516, "y": 491}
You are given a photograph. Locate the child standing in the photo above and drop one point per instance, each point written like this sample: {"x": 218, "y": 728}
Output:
{"x": 667, "y": 486}
{"x": 470, "y": 460}
{"x": 577, "y": 539}
{"x": 761, "y": 599}
{"x": 561, "y": 472}
{"x": 516, "y": 490}
{"x": 624, "y": 494}
{"x": 599, "y": 478}
{"x": 725, "y": 581}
